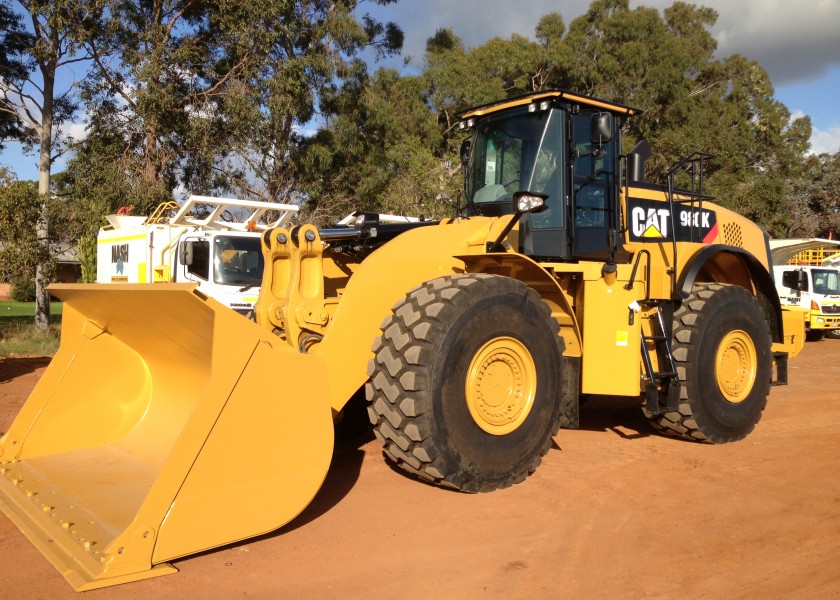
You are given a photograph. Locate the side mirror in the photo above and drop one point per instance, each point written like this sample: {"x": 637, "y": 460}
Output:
{"x": 795, "y": 280}
{"x": 466, "y": 147}
{"x": 803, "y": 281}
{"x": 601, "y": 128}
{"x": 186, "y": 253}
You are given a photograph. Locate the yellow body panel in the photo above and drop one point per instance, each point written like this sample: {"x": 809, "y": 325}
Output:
{"x": 379, "y": 282}
{"x": 793, "y": 323}
{"x": 160, "y": 414}
{"x": 611, "y": 338}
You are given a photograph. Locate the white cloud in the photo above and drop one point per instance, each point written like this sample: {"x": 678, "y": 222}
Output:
{"x": 825, "y": 140}
{"x": 793, "y": 40}
{"x": 76, "y": 131}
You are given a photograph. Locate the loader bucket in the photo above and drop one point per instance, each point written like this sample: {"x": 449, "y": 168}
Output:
{"x": 165, "y": 425}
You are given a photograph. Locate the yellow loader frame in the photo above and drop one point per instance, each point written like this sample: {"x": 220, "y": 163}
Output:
{"x": 167, "y": 424}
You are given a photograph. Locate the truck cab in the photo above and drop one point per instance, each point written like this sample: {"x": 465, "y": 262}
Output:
{"x": 212, "y": 242}
{"x": 814, "y": 289}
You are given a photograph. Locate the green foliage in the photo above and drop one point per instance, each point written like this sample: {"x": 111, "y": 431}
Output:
{"x": 662, "y": 63}
{"x": 392, "y": 164}
{"x": 20, "y": 249}
{"x": 87, "y": 258}
{"x": 23, "y": 289}
{"x": 223, "y": 98}
{"x": 212, "y": 96}
{"x": 815, "y": 198}
{"x": 11, "y": 67}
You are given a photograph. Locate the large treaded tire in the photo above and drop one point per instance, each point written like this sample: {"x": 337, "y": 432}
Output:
{"x": 424, "y": 359}
{"x": 721, "y": 345}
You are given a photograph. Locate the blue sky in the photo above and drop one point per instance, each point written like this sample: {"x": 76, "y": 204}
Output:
{"x": 797, "y": 42}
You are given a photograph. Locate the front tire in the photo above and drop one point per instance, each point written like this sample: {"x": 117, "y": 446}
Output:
{"x": 464, "y": 388}
{"x": 721, "y": 345}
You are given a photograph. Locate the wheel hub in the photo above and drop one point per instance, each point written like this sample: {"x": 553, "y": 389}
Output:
{"x": 736, "y": 365}
{"x": 501, "y": 385}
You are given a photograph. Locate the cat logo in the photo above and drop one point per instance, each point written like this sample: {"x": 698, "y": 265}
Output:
{"x": 650, "y": 223}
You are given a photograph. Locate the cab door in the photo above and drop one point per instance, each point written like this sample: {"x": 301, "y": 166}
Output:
{"x": 593, "y": 172}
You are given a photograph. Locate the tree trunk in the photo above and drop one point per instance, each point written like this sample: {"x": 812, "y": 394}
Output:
{"x": 43, "y": 272}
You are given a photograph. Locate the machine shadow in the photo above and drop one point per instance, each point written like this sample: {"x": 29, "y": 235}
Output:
{"x": 617, "y": 415}
{"x": 620, "y": 415}
{"x": 10, "y": 368}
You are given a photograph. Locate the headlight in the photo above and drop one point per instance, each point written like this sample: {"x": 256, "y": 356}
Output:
{"x": 526, "y": 202}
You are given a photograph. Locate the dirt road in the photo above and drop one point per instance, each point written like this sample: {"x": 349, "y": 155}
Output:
{"x": 615, "y": 511}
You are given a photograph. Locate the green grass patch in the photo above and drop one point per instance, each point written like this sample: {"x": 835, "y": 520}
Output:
{"x": 18, "y": 334}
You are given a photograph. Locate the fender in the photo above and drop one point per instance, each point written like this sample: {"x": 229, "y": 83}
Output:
{"x": 730, "y": 264}
{"x": 519, "y": 266}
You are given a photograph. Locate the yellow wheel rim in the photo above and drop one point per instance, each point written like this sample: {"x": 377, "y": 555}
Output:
{"x": 736, "y": 365}
{"x": 501, "y": 385}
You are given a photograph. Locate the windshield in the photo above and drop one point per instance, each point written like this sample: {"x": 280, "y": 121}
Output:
{"x": 515, "y": 151}
{"x": 826, "y": 281}
{"x": 237, "y": 260}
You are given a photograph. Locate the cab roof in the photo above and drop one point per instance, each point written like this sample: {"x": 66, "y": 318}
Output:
{"x": 526, "y": 99}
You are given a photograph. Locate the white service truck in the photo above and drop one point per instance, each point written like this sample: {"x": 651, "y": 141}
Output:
{"x": 214, "y": 242}
{"x": 815, "y": 289}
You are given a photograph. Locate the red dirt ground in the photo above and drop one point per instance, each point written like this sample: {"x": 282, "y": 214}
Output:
{"x": 614, "y": 511}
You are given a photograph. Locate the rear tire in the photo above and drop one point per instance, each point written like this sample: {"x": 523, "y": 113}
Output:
{"x": 721, "y": 345}
{"x": 464, "y": 388}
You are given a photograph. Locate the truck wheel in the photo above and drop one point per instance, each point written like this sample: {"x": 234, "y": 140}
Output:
{"x": 722, "y": 350}
{"x": 464, "y": 388}
{"x": 815, "y": 335}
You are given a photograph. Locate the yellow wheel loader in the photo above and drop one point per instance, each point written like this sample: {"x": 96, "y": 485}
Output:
{"x": 167, "y": 424}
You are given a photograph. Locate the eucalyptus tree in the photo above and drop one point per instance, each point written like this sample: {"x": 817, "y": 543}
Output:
{"x": 815, "y": 198}
{"x": 314, "y": 47}
{"x": 38, "y": 45}
{"x": 12, "y": 37}
{"x": 381, "y": 150}
{"x": 214, "y": 96}
{"x": 661, "y": 62}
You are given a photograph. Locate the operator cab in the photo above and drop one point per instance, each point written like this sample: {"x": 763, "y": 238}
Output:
{"x": 560, "y": 145}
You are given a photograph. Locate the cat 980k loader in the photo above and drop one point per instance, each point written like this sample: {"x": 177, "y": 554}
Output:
{"x": 167, "y": 424}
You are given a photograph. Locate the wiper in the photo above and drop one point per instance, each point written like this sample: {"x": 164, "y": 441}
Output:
{"x": 247, "y": 287}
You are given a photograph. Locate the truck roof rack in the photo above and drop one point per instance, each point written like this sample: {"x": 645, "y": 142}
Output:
{"x": 232, "y": 214}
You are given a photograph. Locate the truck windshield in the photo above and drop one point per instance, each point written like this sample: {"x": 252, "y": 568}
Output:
{"x": 826, "y": 281}
{"x": 237, "y": 260}
{"x": 516, "y": 151}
